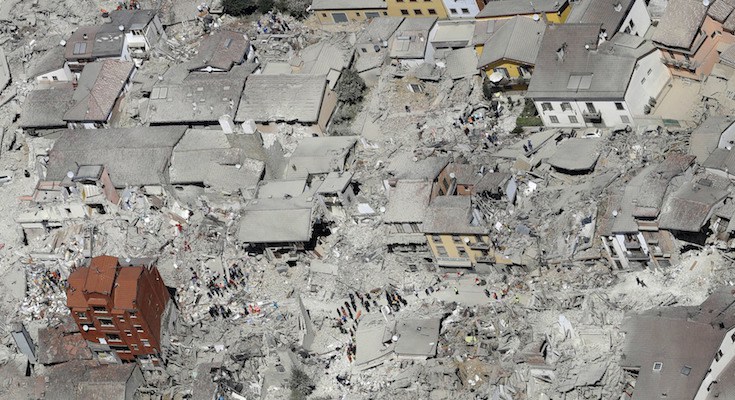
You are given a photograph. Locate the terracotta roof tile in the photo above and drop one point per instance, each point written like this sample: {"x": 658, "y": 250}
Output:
{"x": 126, "y": 289}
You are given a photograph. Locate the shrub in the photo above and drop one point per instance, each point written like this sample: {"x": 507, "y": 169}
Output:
{"x": 301, "y": 384}
{"x": 239, "y": 7}
{"x": 296, "y": 8}
{"x": 266, "y": 5}
{"x": 529, "y": 121}
{"x": 351, "y": 87}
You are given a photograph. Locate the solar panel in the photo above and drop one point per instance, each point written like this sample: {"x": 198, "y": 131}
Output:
{"x": 80, "y": 48}
{"x": 579, "y": 82}
{"x": 585, "y": 82}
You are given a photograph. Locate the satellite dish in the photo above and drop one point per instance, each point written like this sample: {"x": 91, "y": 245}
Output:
{"x": 536, "y": 17}
{"x": 85, "y": 328}
{"x": 62, "y": 43}
{"x": 706, "y": 3}
{"x": 121, "y": 28}
{"x": 587, "y": 46}
{"x": 70, "y": 174}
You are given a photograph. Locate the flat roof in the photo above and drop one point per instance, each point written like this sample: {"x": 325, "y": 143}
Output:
{"x": 509, "y": 8}
{"x": 576, "y": 154}
{"x": 289, "y": 98}
{"x": 276, "y": 221}
{"x": 411, "y": 38}
{"x": 408, "y": 202}
{"x": 45, "y": 107}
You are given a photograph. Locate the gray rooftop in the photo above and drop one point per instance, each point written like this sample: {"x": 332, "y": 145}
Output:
{"x": 721, "y": 9}
{"x": 207, "y": 157}
{"x": 50, "y": 60}
{"x": 566, "y": 69}
{"x": 627, "y": 45}
{"x": 322, "y": 58}
{"x": 609, "y": 13}
{"x": 576, "y": 155}
{"x": 457, "y": 33}
{"x": 135, "y": 156}
{"x": 198, "y": 98}
{"x": 348, "y": 4}
{"x": 509, "y": 8}
{"x": 289, "y": 98}
{"x": 276, "y": 221}
{"x": 417, "y": 337}
{"x": 333, "y": 182}
{"x": 680, "y": 23}
{"x": 519, "y": 39}
{"x": 450, "y": 214}
{"x": 45, "y": 108}
{"x": 281, "y": 189}
{"x": 689, "y": 208}
{"x": 727, "y": 57}
{"x": 704, "y": 139}
{"x": 221, "y": 50}
{"x": 319, "y": 155}
{"x": 720, "y": 159}
{"x": 462, "y": 63}
{"x": 98, "y": 88}
{"x": 403, "y": 166}
{"x": 675, "y": 337}
{"x": 379, "y": 29}
{"x": 129, "y": 19}
{"x": 411, "y": 38}
{"x": 408, "y": 201}
{"x": 484, "y": 29}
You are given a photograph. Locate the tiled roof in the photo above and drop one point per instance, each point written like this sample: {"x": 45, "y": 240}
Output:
{"x": 99, "y": 86}
{"x": 519, "y": 39}
{"x": 126, "y": 290}
{"x": 680, "y": 23}
{"x": 282, "y": 98}
{"x": 221, "y": 50}
{"x": 567, "y": 69}
{"x": 101, "y": 275}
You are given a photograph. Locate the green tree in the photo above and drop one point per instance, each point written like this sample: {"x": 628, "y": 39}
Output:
{"x": 296, "y": 8}
{"x": 301, "y": 384}
{"x": 239, "y": 7}
{"x": 266, "y": 5}
{"x": 351, "y": 87}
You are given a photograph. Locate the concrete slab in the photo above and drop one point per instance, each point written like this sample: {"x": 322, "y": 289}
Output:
{"x": 679, "y": 101}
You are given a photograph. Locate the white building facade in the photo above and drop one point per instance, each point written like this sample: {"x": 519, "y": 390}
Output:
{"x": 459, "y": 9}
{"x": 649, "y": 79}
{"x": 638, "y": 19}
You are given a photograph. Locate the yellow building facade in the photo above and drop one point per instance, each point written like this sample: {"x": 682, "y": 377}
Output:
{"x": 328, "y": 17}
{"x": 556, "y": 13}
{"x": 458, "y": 250}
{"x": 416, "y": 8}
{"x": 512, "y": 69}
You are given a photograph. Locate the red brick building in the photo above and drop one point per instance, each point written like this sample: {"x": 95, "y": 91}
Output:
{"x": 119, "y": 308}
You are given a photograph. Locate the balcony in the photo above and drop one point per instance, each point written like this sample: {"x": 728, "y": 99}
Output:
{"x": 681, "y": 64}
{"x": 592, "y": 116}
